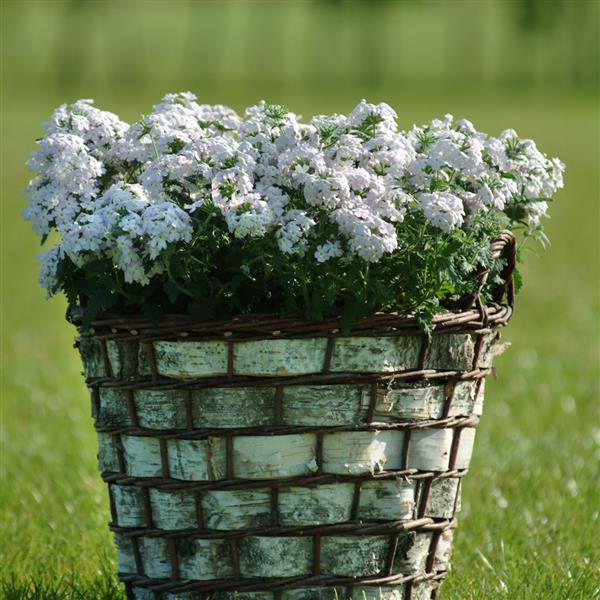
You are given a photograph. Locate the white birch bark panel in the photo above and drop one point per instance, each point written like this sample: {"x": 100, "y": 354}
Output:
{"x": 155, "y": 557}
{"x": 107, "y": 453}
{"x": 423, "y": 403}
{"x": 173, "y": 509}
{"x": 270, "y": 457}
{"x": 125, "y": 556}
{"x": 233, "y": 407}
{"x": 375, "y": 354}
{"x": 411, "y": 553}
{"x": 113, "y": 410}
{"x": 160, "y": 409}
{"x": 465, "y": 448}
{"x": 429, "y": 449}
{"x": 113, "y": 358}
{"x": 443, "y": 551}
{"x": 91, "y": 357}
{"x": 204, "y": 559}
{"x": 236, "y": 509}
{"x": 321, "y": 593}
{"x": 372, "y": 592}
{"x": 354, "y": 556}
{"x": 197, "y": 460}
{"x": 387, "y": 499}
{"x": 489, "y": 349}
{"x": 243, "y": 596}
{"x": 479, "y": 399}
{"x": 143, "y": 594}
{"x": 324, "y": 404}
{"x": 275, "y": 556}
{"x": 451, "y": 352}
{"x": 123, "y": 358}
{"x": 147, "y": 594}
{"x": 442, "y": 496}
{"x": 130, "y": 505}
{"x": 464, "y": 400}
{"x": 411, "y": 403}
{"x": 187, "y": 360}
{"x": 279, "y": 357}
{"x": 319, "y": 505}
{"x": 142, "y": 456}
{"x": 424, "y": 590}
{"x": 356, "y": 452}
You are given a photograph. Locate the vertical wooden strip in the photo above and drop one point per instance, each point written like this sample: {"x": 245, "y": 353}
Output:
{"x": 408, "y": 590}
{"x": 478, "y": 385}
{"x": 417, "y": 490}
{"x": 189, "y": 409}
{"x": 129, "y": 591}
{"x": 95, "y": 393}
{"x": 137, "y": 555}
{"x": 132, "y": 408}
{"x": 275, "y": 520}
{"x": 149, "y": 346}
{"x": 105, "y": 359}
{"x": 425, "y": 489}
{"x": 456, "y": 498}
{"x": 432, "y": 549}
{"x": 235, "y": 558}
{"x": 423, "y": 352}
{"x": 173, "y": 558}
{"x": 279, "y": 405}
{"x": 316, "y": 554}
{"x": 356, "y": 500}
{"x": 164, "y": 457}
{"x": 328, "y": 354}
{"x": 405, "y": 445}
{"x": 199, "y": 510}
{"x": 389, "y": 568}
{"x": 454, "y": 448}
{"x": 120, "y": 456}
{"x": 229, "y": 457}
{"x": 319, "y": 453}
{"x": 372, "y": 402}
{"x": 448, "y": 397}
{"x": 113, "y": 506}
{"x": 510, "y": 292}
{"x": 481, "y": 309}
{"x": 147, "y": 508}
{"x": 230, "y": 349}
{"x": 477, "y": 352}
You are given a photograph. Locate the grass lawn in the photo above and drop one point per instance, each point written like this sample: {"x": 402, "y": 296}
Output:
{"x": 529, "y": 527}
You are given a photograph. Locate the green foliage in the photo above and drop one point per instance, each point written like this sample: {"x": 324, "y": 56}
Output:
{"x": 218, "y": 276}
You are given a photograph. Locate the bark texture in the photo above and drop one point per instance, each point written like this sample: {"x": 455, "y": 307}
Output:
{"x": 158, "y": 427}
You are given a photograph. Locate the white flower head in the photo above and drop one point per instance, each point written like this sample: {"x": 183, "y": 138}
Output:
{"x": 442, "y": 210}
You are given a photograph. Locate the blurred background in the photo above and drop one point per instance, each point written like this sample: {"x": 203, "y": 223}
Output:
{"x": 530, "y": 515}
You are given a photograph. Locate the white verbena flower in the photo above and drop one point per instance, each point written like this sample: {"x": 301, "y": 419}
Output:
{"x": 442, "y": 210}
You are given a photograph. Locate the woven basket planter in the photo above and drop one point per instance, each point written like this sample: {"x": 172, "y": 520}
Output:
{"x": 274, "y": 458}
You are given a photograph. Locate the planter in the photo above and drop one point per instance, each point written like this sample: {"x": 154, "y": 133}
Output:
{"x": 276, "y": 458}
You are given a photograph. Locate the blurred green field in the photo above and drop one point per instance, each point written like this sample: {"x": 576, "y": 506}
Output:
{"x": 530, "y": 523}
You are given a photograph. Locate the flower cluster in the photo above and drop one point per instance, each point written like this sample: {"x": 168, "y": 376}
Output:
{"x": 338, "y": 189}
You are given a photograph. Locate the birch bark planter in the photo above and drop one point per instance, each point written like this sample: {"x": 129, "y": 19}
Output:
{"x": 274, "y": 458}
